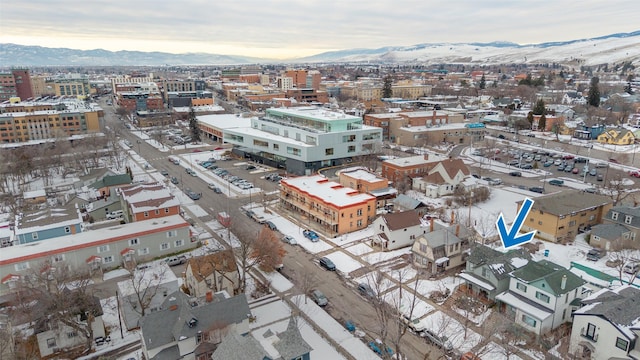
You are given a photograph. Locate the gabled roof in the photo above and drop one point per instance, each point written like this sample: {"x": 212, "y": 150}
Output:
{"x": 501, "y": 264}
{"x": 237, "y": 347}
{"x": 634, "y": 212}
{"x": 551, "y": 274}
{"x": 407, "y": 202}
{"x": 453, "y": 166}
{"x": 203, "y": 266}
{"x": 620, "y": 306}
{"x": 177, "y": 311}
{"x": 112, "y": 180}
{"x": 609, "y": 231}
{"x": 401, "y": 220}
{"x": 291, "y": 344}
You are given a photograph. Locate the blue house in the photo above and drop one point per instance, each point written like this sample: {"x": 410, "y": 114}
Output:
{"x": 586, "y": 132}
{"x": 44, "y": 224}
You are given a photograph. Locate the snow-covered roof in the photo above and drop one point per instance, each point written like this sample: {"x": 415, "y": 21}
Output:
{"x": 475, "y": 280}
{"x": 328, "y": 191}
{"x": 521, "y": 304}
{"x": 224, "y": 121}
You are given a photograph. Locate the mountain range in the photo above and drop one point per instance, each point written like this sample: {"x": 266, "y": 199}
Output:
{"x": 614, "y": 48}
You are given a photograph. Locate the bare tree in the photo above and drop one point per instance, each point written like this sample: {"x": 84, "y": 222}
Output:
{"x": 621, "y": 259}
{"x": 142, "y": 286}
{"x": 617, "y": 189}
{"x": 268, "y": 250}
{"x": 63, "y": 295}
{"x": 306, "y": 280}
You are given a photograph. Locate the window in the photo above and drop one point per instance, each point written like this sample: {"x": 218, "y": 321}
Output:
{"x": 21, "y": 266}
{"x": 276, "y": 147}
{"x": 359, "y": 223}
{"x": 591, "y": 331}
{"x": 423, "y": 248}
{"x": 146, "y": 214}
{"x": 72, "y": 334}
{"x": 34, "y": 236}
{"x": 166, "y": 210}
{"x": 134, "y": 242}
{"x": 57, "y": 258}
{"x": 179, "y": 243}
{"x": 539, "y": 222}
{"x": 542, "y": 297}
{"x": 485, "y": 272}
{"x": 51, "y": 342}
{"x": 528, "y": 320}
{"x": 627, "y": 219}
{"x": 572, "y": 223}
{"x": 622, "y": 344}
{"x": 164, "y": 246}
{"x": 614, "y": 215}
{"x": 107, "y": 259}
{"x": 103, "y": 248}
{"x": 348, "y": 138}
{"x": 359, "y": 212}
{"x": 522, "y": 287}
{"x": 67, "y": 229}
{"x": 157, "y": 211}
{"x": 351, "y": 148}
{"x": 144, "y": 251}
{"x": 294, "y": 151}
{"x": 172, "y": 233}
{"x": 328, "y": 151}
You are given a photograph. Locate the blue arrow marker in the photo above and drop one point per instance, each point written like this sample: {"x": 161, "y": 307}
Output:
{"x": 511, "y": 238}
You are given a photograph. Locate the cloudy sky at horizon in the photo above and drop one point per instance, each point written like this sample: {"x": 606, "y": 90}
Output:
{"x": 294, "y": 28}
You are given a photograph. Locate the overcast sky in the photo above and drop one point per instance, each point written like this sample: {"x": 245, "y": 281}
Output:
{"x": 295, "y": 28}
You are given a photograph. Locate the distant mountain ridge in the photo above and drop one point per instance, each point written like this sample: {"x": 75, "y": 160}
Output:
{"x": 611, "y": 48}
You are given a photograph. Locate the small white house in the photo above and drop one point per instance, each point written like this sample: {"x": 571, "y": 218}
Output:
{"x": 606, "y": 326}
{"x": 442, "y": 179}
{"x": 397, "y": 230}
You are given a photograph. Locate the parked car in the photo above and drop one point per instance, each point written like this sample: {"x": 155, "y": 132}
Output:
{"x": 515, "y": 173}
{"x": 602, "y": 165}
{"x": 495, "y": 182}
{"x": 365, "y": 290}
{"x": 271, "y": 225}
{"x": 118, "y": 214}
{"x": 580, "y": 160}
{"x": 326, "y": 263}
{"x": 599, "y": 177}
{"x": 575, "y": 170}
{"x": 632, "y": 268}
{"x": 413, "y": 324}
{"x": 513, "y": 162}
{"x": 438, "y": 340}
{"x": 318, "y": 297}
{"x": 547, "y": 163}
{"x": 289, "y": 240}
{"x": 311, "y": 235}
{"x": 614, "y": 161}
{"x": 635, "y": 174}
{"x": 526, "y": 166}
{"x": 556, "y": 182}
{"x": 250, "y": 167}
{"x": 176, "y": 260}
{"x": 595, "y": 254}
{"x": 375, "y": 346}
{"x": 164, "y": 172}
{"x": 174, "y": 180}
{"x": 593, "y": 172}
{"x": 193, "y": 195}
{"x": 537, "y": 189}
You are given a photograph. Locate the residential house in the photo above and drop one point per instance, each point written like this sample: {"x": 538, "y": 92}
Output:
{"x": 104, "y": 185}
{"x": 403, "y": 202}
{"x": 145, "y": 291}
{"x": 44, "y": 224}
{"x": 617, "y": 136}
{"x": 442, "y": 179}
{"x": 331, "y": 206}
{"x": 213, "y": 272}
{"x": 54, "y": 336}
{"x": 574, "y": 98}
{"x": 587, "y": 132}
{"x": 192, "y": 328}
{"x": 397, "y": 230}
{"x": 368, "y": 182}
{"x": 487, "y": 271}
{"x": 441, "y": 249}
{"x": 620, "y": 229}
{"x": 148, "y": 201}
{"x": 606, "y": 326}
{"x": 540, "y": 296}
{"x": 560, "y": 217}
{"x": 287, "y": 345}
{"x": 401, "y": 169}
{"x": 98, "y": 250}
{"x": 35, "y": 197}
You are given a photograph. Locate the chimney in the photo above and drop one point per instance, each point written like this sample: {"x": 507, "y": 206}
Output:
{"x": 426, "y": 156}
{"x": 431, "y": 225}
{"x": 209, "y": 296}
{"x": 173, "y": 307}
{"x": 563, "y": 284}
{"x": 457, "y": 230}
{"x": 453, "y": 217}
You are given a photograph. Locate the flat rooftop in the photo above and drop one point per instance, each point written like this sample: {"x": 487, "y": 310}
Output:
{"x": 327, "y": 191}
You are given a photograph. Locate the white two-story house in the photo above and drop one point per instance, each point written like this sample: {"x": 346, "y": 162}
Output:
{"x": 442, "y": 179}
{"x": 397, "y": 230}
{"x": 607, "y": 326}
{"x": 540, "y": 296}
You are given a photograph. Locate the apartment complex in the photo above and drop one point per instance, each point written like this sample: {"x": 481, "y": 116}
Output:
{"x": 16, "y": 83}
{"x": 330, "y": 206}
{"x": 72, "y": 86}
{"x": 98, "y": 250}
{"x": 25, "y": 121}
{"x": 305, "y": 139}
{"x": 560, "y": 217}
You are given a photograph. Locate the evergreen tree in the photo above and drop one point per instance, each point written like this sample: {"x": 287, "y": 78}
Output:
{"x": 593, "y": 98}
{"x": 530, "y": 119}
{"x": 193, "y": 125}
{"x": 628, "y": 88}
{"x": 542, "y": 123}
{"x": 387, "y": 91}
{"x": 539, "y": 108}
{"x": 483, "y": 82}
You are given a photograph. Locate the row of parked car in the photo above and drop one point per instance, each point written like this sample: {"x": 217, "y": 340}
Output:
{"x": 235, "y": 180}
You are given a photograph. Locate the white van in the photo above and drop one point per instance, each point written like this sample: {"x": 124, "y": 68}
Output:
{"x": 632, "y": 268}
{"x": 118, "y": 214}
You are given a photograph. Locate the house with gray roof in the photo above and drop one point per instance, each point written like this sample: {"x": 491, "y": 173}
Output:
{"x": 440, "y": 248}
{"x": 620, "y": 229}
{"x": 188, "y": 327}
{"x": 487, "y": 271}
{"x": 607, "y": 326}
{"x": 287, "y": 345}
{"x": 541, "y": 296}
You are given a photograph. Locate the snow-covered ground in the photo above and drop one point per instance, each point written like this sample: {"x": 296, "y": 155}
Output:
{"x": 344, "y": 263}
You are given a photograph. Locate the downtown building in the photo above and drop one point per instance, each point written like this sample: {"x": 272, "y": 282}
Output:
{"x": 304, "y": 139}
